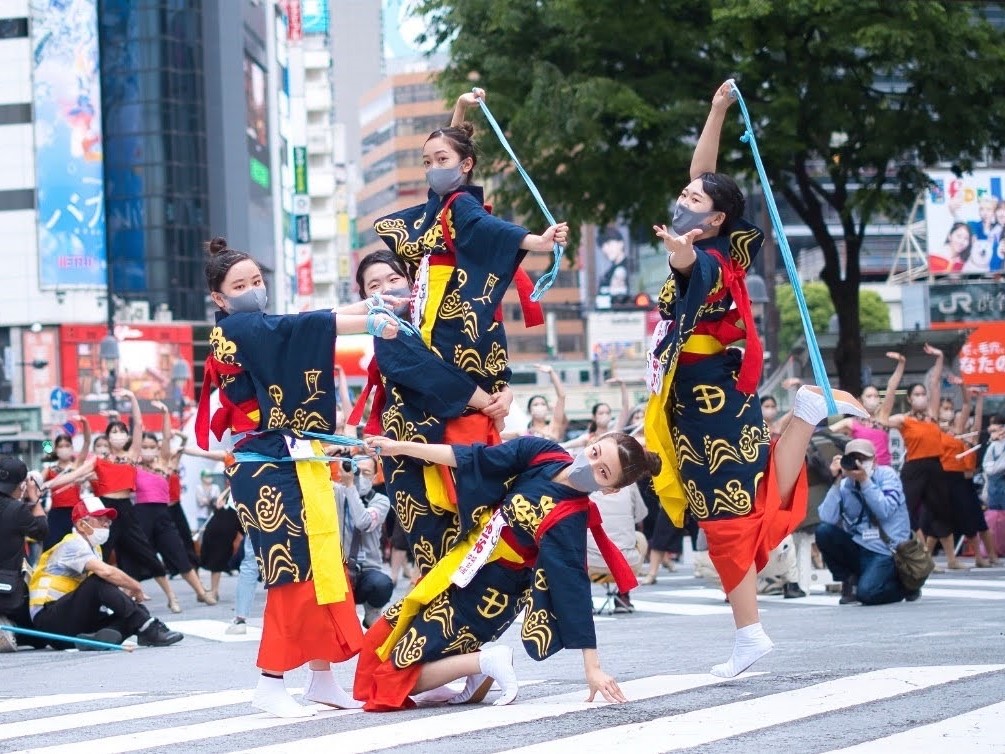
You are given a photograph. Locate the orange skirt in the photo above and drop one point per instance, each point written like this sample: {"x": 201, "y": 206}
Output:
{"x": 734, "y": 544}
{"x": 381, "y": 685}
{"x": 297, "y": 629}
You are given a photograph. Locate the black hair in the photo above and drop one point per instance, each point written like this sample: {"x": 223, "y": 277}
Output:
{"x": 118, "y": 424}
{"x": 151, "y": 436}
{"x": 381, "y": 256}
{"x": 766, "y": 398}
{"x": 596, "y": 407}
{"x": 461, "y": 141}
{"x": 965, "y": 254}
{"x": 910, "y": 388}
{"x": 221, "y": 259}
{"x": 534, "y": 398}
{"x": 62, "y": 437}
{"x": 725, "y": 195}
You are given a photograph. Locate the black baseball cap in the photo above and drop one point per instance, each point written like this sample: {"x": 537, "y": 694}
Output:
{"x": 12, "y": 473}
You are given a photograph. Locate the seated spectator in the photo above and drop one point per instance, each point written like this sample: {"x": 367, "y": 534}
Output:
{"x": 780, "y": 574}
{"x": 363, "y": 514}
{"x": 73, "y": 592}
{"x": 862, "y": 520}
{"x": 21, "y": 518}
{"x": 994, "y": 485}
{"x": 622, "y": 513}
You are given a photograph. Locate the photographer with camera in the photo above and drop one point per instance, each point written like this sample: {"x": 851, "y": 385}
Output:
{"x": 363, "y": 512}
{"x": 862, "y": 520}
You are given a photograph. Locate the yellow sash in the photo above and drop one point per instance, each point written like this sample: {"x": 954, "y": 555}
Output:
{"x": 437, "y": 581}
{"x": 324, "y": 538}
{"x": 667, "y": 483}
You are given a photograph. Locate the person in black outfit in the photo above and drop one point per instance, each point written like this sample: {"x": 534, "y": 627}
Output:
{"x": 21, "y": 518}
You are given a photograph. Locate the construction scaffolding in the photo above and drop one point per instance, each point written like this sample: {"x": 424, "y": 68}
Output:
{"x": 911, "y": 251}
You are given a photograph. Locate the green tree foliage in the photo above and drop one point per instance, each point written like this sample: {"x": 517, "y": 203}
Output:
{"x": 603, "y": 99}
{"x": 874, "y": 314}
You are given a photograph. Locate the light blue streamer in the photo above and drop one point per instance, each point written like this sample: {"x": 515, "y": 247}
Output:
{"x": 375, "y": 330}
{"x": 819, "y": 371}
{"x": 547, "y": 279}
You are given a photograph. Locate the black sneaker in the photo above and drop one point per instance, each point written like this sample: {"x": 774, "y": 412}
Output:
{"x": 912, "y": 595}
{"x": 105, "y": 635}
{"x": 791, "y": 591}
{"x": 848, "y": 596}
{"x": 158, "y": 635}
{"x": 622, "y": 604}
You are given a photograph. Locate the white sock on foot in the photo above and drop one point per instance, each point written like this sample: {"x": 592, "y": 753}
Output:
{"x": 749, "y": 646}
{"x": 324, "y": 689}
{"x": 497, "y": 663}
{"x": 475, "y": 685}
{"x": 811, "y": 406}
{"x": 271, "y": 696}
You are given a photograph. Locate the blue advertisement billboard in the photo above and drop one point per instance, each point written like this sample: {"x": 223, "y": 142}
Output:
{"x": 315, "y": 16}
{"x": 68, "y": 144}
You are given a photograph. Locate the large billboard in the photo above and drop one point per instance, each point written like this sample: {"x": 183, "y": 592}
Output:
{"x": 965, "y": 221}
{"x": 68, "y": 145}
{"x": 257, "y": 127}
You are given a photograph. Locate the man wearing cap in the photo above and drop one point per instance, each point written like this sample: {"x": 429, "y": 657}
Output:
{"x": 73, "y": 592}
{"x": 862, "y": 520}
{"x": 21, "y": 517}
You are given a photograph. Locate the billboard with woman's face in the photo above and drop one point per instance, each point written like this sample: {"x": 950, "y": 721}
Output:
{"x": 965, "y": 219}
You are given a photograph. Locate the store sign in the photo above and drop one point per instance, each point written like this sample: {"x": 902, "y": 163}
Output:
{"x": 982, "y": 358}
{"x": 299, "y": 170}
{"x": 980, "y": 301}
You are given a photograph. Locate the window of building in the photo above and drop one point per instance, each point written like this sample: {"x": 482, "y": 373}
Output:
{"x": 16, "y": 113}
{"x": 410, "y": 93}
{"x": 17, "y": 199}
{"x": 12, "y": 28}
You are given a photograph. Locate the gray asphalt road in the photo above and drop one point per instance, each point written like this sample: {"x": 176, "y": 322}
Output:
{"x": 933, "y": 670}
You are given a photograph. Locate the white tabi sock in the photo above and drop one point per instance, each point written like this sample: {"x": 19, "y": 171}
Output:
{"x": 475, "y": 688}
{"x": 749, "y": 646}
{"x": 811, "y": 406}
{"x": 497, "y": 663}
{"x": 271, "y": 696}
{"x": 324, "y": 689}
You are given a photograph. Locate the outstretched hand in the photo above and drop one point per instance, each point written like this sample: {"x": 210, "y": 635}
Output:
{"x": 932, "y": 350}
{"x": 555, "y": 234}
{"x": 378, "y": 446}
{"x": 899, "y": 357}
{"x": 605, "y": 684}
{"x": 681, "y": 248}
{"x": 470, "y": 99}
{"x": 724, "y": 96}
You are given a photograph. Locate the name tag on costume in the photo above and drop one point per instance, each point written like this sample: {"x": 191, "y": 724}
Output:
{"x": 480, "y": 550}
{"x": 300, "y": 449}
{"x": 870, "y": 535}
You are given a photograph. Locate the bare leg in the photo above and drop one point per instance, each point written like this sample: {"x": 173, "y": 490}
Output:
{"x": 750, "y": 643}
{"x": 789, "y": 458}
{"x": 655, "y": 558}
{"x": 949, "y": 545}
{"x": 214, "y": 583}
{"x": 743, "y": 600}
{"x": 165, "y": 585}
{"x": 200, "y": 591}
{"x": 988, "y": 538}
{"x": 441, "y": 672}
{"x": 398, "y": 560}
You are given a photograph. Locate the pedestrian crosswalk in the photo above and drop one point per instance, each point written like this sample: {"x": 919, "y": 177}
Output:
{"x": 665, "y": 713}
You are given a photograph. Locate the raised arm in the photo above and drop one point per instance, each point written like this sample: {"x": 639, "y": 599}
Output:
{"x": 935, "y": 386}
{"x": 343, "y": 391}
{"x": 72, "y": 477}
{"x": 134, "y": 447}
{"x": 558, "y": 418}
{"x": 86, "y": 428}
{"x": 893, "y": 383}
{"x": 166, "y": 431}
{"x": 464, "y": 102}
{"x": 706, "y": 152}
{"x": 555, "y": 234}
{"x": 213, "y": 455}
{"x": 626, "y": 406}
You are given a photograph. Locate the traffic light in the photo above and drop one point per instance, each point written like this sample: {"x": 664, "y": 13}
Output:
{"x": 47, "y": 447}
{"x": 643, "y": 301}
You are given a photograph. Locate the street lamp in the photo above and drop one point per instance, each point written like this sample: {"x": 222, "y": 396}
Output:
{"x": 108, "y": 352}
{"x": 181, "y": 373}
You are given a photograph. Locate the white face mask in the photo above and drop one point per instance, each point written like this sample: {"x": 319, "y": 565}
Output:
{"x": 64, "y": 454}
{"x": 98, "y": 537}
{"x": 118, "y": 440}
{"x": 870, "y": 404}
{"x": 364, "y": 485}
{"x": 539, "y": 413}
{"x": 148, "y": 455}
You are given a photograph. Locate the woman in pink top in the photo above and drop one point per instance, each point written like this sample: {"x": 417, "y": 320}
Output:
{"x": 871, "y": 429}
{"x": 152, "y": 498}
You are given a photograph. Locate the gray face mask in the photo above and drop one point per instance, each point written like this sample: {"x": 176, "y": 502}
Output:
{"x": 252, "y": 300}
{"x": 444, "y": 180}
{"x": 403, "y": 310}
{"x": 686, "y": 220}
{"x": 364, "y": 485}
{"x": 581, "y": 474}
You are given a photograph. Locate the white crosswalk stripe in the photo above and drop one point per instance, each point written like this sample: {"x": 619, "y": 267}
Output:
{"x": 979, "y": 731}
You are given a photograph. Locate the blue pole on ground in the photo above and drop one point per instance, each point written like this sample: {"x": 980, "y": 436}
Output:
{"x": 67, "y": 639}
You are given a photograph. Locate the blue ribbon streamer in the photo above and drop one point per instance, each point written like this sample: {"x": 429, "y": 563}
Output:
{"x": 78, "y": 640}
{"x": 819, "y": 371}
{"x": 547, "y": 279}
{"x": 375, "y": 328}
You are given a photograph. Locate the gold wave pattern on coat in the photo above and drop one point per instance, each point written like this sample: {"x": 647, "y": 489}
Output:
{"x": 246, "y": 517}
{"x": 224, "y": 351}
{"x": 497, "y": 360}
{"x": 719, "y": 451}
{"x": 308, "y": 422}
{"x": 393, "y": 231}
{"x": 734, "y": 499}
{"x": 536, "y": 630}
{"x": 454, "y": 307}
{"x": 464, "y": 643}
{"x": 279, "y": 561}
{"x": 740, "y": 243}
{"x": 277, "y": 419}
{"x": 752, "y": 439}
{"x": 441, "y": 611}
{"x": 522, "y": 511}
{"x": 311, "y": 377}
{"x": 408, "y": 509}
{"x": 391, "y": 614}
{"x": 696, "y": 500}
{"x": 432, "y": 240}
{"x": 686, "y": 452}
{"x": 408, "y": 650}
{"x": 424, "y": 555}
{"x": 668, "y": 292}
{"x": 468, "y": 360}
{"x": 448, "y": 540}
{"x": 226, "y": 380}
{"x": 263, "y": 467}
{"x": 269, "y": 509}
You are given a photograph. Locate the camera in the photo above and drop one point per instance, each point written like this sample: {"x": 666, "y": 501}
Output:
{"x": 346, "y": 466}
{"x": 852, "y": 462}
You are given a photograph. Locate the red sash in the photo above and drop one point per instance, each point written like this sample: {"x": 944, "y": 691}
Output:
{"x": 734, "y": 280}
{"x": 230, "y": 414}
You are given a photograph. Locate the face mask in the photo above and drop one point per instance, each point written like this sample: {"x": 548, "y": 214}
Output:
{"x": 364, "y": 485}
{"x": 539, "y": 413}
{"x": 870, "y": 404}
{"x": 403, "y": 293}
{"x": 920, "y": 403}
{"x": 946, "y": 416}
{"x": 769, "y": 413}
{"x": 148, "y": 455}
{"x": 64, "y": 454}
{"x": 252, "y": 300}
{"x": 581, "y": 474}
{"x": 867, "y": 467}
{"x": 444, "y": 180}
{"x": 685, "y": 219}
{"x": 118, "y": 440}
{"x": 98, "y": 537}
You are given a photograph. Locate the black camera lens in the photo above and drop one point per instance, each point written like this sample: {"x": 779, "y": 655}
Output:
{"x": 347, "y": 466}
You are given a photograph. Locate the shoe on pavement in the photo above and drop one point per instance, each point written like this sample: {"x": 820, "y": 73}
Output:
{"x": 7, "y": 641}
{"x": 848, "y": 596}
{"x": 622, "y": 604}
{"x": 237, "y": 628}
{"x": 792, "y": 590}
{"x": 107, "y": 635}
{"x": 158, "y": 635}
{"x": 913, "y": 595}
{"x": 370, "y": 615}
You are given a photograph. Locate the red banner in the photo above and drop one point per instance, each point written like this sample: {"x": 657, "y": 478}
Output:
{"x": 982, "y": 358}
{"x": 294, "y": 20}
